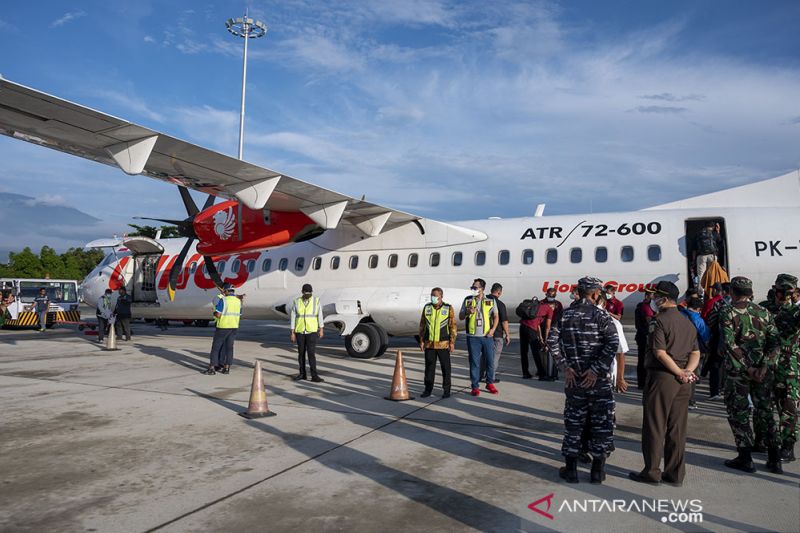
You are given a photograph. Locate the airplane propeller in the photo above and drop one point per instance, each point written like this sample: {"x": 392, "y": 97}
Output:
{"x": 186, "y": 229}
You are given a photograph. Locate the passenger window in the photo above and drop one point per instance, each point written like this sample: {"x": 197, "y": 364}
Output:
{"x": 434, "y": 259}
{"x": 654, "y": 252}
{"x": 235, "y": 266}
{"x": 353, "y": 261}
{"x": 413, "y": 259}
{"x": 392, "y": 260}
{"x": 458, "y": 258}
{"x": 299, "y": 263}
{"x": 576, "y": 255}
{"x": 504, "y": 257}
{"x": 626, "y": 254}
{"x": 251, "y": 265}
{"x": 601, "y": 254}
{"x": 373, "y": 261}
{"x": 316, "y": 264}
{"x": 221, "y": 267}
{"x": 193, "y": 267}
{"x": 480, "y": 258}
{"x": 527, "y": 257}
{"x": 551, "y": 256}
{"x": 283, "y": 264}
{"x": 334, "y": 262}
{"x": 266, "y": 265}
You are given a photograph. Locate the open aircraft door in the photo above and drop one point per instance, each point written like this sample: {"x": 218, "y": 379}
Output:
{"x": 146, "y": 255}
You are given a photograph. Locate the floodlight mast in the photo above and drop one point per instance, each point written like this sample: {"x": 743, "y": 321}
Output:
{"x": 246, "y": 28}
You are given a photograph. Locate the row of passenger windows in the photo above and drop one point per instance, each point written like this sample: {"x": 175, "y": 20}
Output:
{"x": 551, "y": 256}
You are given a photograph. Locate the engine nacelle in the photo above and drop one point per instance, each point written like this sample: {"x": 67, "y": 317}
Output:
{"x": 233, "y": 227}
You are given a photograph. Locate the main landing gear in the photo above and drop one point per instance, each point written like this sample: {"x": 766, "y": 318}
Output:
{"x": 367, "y": 340}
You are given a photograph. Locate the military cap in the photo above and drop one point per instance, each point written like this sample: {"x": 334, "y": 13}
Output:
{"x": 786, "y": 281}
{"x": 742, "y": 284}
{"x": 589, "y": 283}
{"x": 668, "y": 289}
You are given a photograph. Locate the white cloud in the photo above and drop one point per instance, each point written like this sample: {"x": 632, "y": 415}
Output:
{"x": 48, "y": 199}
{"x": 149, "y": 39}
{"x": 67, "y": 17}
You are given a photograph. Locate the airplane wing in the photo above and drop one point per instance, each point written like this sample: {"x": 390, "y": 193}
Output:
{"x": 40, "y": 118}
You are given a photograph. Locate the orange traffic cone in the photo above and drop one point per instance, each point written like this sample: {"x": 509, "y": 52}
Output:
{"x": 257, "y": 408}
{"x": 399, "y": 386}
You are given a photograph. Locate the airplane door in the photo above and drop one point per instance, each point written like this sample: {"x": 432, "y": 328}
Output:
{"x": 146, "y": 253}
{"x": 693, "y": 229}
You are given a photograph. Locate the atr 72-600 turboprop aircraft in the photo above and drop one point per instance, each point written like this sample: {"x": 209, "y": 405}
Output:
{"x": 373, "y": 267}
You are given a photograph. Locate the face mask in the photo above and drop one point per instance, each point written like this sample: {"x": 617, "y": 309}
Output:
{"x": 550, "y": 298}
{"x": 654, "y": 306}
{"x": 434, "y": 300}
{"x": 474, "y": 292}
{"x": 727, "y": 299}
{"x": 573, "y": 296}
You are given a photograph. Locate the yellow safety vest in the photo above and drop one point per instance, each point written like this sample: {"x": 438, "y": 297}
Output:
{"x": 438, "y": 328}
{"x": 306, "y": 319}
{"x": 231, "y": 312}
{"x": 486, "y": 309}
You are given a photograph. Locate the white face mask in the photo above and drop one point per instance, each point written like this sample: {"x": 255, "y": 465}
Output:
{"x": 654, "y": 306}
{"x": 434, "y": 300}
{"x": 475, "y": 292}
{"x": 550, "y": 298}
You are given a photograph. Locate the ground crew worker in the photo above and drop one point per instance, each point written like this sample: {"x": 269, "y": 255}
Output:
{"x": 104, "y": 312}
{"x": 482, "y": 319}
{"x": 122, "y": 314}
{"x": 787, "y": 320}
{"x": 437, "y": 333}
{"x": 750, "y": 345}
{"x": 306, "y": 328}
{"x": 672, "y": 357}
{"x": 227, "y": 313}
{"x": 584, "y": 345}
{"x": 41, "y": 305}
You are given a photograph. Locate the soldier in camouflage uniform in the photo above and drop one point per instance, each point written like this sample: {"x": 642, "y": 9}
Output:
{"x": 787, "y": 320}
{"x": 749, "y": 346}
{"x": 584, "y": 344}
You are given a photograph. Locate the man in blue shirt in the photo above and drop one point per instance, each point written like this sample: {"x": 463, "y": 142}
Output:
{"x": 694, "y": 306}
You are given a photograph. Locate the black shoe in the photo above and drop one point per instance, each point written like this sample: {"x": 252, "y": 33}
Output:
{"x": 598, "y": 473}
{"x": 692, "y": 405}
{"x": 743, "y": 461}
{"x": 446, "y": 394}
{"x": 299, "y": 377}
{"x": 317, "y": 379}
{"x": 787, "y": 453}
{"x": 774, "y": 460}
{"x": 226, "y": 370}
{"x": 569, "y": 472}
{"x": 527, "y": 376}
{"x": 759, "y": 448}
{"x": 541, "y": 378}
{"x": 585, "y": 458}
{"x": 671, "y": 482}
{"x": 217, "y": 368}
{"x": 640, "y": 478}
{"x": 425, "y": 394}
{"x": 209, "y": 371}
{"x": 496, "y": 380}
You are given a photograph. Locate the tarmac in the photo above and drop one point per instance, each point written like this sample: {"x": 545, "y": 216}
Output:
{"x": 139, "y": 440}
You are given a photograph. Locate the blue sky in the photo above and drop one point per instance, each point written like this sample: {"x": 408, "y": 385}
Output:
{"x": 452, "y": 110}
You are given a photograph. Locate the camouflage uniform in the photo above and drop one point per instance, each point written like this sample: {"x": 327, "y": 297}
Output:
{"x": 787, "y": 320}
{"x": 586, "y": 338}
{"x": 749, "y": 339}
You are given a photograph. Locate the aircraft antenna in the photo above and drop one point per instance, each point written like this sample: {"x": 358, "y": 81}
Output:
{"x": 246, "y": 28}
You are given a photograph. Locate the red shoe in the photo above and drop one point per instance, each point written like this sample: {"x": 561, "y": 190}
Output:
{"x": 491, "y": 388}
{"x": 476, "y": 392}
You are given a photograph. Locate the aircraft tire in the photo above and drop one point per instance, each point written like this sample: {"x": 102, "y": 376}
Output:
{"x": 364, "y": 342}
{"x": 384, "y": 339}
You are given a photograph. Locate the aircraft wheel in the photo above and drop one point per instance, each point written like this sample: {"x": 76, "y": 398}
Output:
{"x": 364, "y": 342}
{"x": 384, "y": 339}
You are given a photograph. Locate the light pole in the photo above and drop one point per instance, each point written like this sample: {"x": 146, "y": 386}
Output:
{"x": 246, "y": 28}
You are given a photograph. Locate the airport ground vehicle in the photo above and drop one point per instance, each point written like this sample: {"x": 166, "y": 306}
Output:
{"x": 63, "y": 294}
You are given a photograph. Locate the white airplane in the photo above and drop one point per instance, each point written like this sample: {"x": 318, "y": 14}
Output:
{"x": 373, "y": 267}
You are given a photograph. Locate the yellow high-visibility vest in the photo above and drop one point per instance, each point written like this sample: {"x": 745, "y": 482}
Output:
{"x": 485, "y": 310}
{"x": 231, "y": 312}
{"x": 438, "y": 328}
{"x": 306, "y": 319}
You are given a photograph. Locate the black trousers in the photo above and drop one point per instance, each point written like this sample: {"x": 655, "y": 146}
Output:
{"x": 431, "y": 355}
{"x": 222, "y": 347}
{"x": 529, "y": 340}
{"x": 715, "y": 375}
{"x": 641, "y": 372}
{"x": 102, "y": 325}
{"x": 123, "y": 327}
{"x": 307, "y": 345}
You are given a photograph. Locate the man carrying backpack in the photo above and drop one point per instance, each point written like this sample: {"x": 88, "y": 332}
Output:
{"x": 534, "y": 327}
{"x": 705, "y": 251}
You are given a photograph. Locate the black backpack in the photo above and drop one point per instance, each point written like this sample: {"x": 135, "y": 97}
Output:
{"x": 528, "y": 309}
{"x": 706, "y": 243}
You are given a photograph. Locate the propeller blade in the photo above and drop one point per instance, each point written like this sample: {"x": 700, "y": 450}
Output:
{"x": 175, "y": 271}
{"x": 212, "y": 271}
{"x": 167, "y": 220}
{"x": 209, "y": 201}
{"x": 188, "y": 201}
